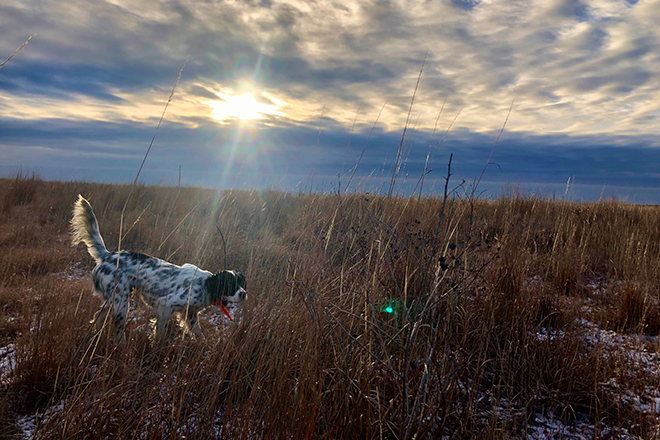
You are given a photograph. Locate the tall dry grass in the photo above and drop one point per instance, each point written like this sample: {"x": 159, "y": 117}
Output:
{"x": 315, "y": 355}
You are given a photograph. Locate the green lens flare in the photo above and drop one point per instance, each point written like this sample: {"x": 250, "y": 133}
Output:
{"x": 389, "y": 309}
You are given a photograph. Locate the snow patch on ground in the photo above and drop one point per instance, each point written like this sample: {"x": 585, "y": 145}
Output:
{"x": 74, "y": 273}
{"x": 648, "y": 402}
{"x": 28, "y": 424}
{"x": 543, "y": 334}
{"x": 597, "y": 286}
{"x": 639, "y": 357}
{"x": 218, "y": 319}
{"x": 7, "y": 362}
{"x": 549, "y": 427}
{"x": 640, "y": 351}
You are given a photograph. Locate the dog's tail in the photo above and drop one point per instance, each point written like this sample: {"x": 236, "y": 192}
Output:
{"x": 85, "y": 228}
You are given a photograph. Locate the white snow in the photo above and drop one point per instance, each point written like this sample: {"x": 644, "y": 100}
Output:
{"x": 543, "y": 334}
{"x": 218, "y": 319}
{"x": 7, "y": 362}
{"x": 639, "y": 351}
{"x": 28, "y": 424}
{"x": 548, "y": 427}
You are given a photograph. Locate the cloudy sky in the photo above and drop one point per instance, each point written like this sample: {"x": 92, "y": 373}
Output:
{"x": 293, "y": 93}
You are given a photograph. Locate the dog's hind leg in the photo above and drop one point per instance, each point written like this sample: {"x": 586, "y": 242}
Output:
{"x": 121, "y": 296}
{"x": 163, "y": 313}
{"x": 121, "y": 309}
{"x": 100, "y": 315}
{"x": 193, "y": 323}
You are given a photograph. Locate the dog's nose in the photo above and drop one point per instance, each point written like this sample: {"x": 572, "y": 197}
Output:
{"x": 242, "y": 294}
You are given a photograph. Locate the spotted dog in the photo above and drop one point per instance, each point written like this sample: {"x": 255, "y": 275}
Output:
{"x": 165, "y": 287}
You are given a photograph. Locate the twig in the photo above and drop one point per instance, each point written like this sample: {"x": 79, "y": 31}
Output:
{"x": 435, "y": 127}
{"x": 374, "y": 356}
{"x": 391, "y": 231}
{"x": 390, "y": 339}
{"x": 437, "y": 148}
{"x": 318, "y": 146}
{"x": 160, "y": 121}
{"x": 420, "y": 180}
{"x": 224, "y": 245}
{"x": 476, "y": 185}
{"x": 177, "y": 226}
{"x": 16, "y": 51}
{"x": 408, "y": 146}
{"x": 350, "y": 135}
{"x": 405, "y": 128}
{"x": 365, "y": 147}
{"x": 308, "y": 299}
{"x": 442, "y": 212}
{"x": 474, "y": 189}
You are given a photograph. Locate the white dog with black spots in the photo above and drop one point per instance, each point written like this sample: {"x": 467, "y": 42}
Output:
{"x": 165, "y": 287}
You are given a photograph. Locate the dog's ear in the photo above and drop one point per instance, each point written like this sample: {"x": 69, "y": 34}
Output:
{"x": 214, "y": 286}
{"x": 219, "y": 283}
{"x": 241, "y": 280}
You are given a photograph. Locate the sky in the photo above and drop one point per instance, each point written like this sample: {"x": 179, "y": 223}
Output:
{"x": 328, "y": 95}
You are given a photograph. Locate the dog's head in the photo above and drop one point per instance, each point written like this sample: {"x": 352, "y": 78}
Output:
{"x": 226, "y": 287}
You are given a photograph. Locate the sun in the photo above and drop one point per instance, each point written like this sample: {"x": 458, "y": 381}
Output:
{"x": 242, "y": 106}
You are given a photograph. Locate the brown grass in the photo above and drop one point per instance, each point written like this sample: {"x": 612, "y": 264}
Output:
{"x": 315, "y": 355}
{"x": 21, "y": 190}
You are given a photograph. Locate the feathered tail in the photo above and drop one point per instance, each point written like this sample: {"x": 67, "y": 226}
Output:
{"x": 85, "y": 228}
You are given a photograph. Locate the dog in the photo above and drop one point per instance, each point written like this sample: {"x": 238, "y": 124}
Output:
{"x": 165, "y": 287}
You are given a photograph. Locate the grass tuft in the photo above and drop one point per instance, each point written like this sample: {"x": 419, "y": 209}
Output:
{"x": 21, "y": 191}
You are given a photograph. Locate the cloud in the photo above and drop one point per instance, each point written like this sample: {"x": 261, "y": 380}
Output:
{"x": 262, "y": 156}
{"x": 580, "y": 71}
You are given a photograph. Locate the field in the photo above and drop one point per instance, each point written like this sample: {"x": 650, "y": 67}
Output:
{"x": 367, "y": 317}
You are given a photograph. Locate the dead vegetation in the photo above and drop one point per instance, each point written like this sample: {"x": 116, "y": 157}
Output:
{"x": 487, "y": 331}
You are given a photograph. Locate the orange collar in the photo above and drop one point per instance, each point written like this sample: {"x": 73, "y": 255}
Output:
{"x": 223, "y": 308}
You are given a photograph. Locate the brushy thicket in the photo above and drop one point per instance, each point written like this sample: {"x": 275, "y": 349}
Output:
{"x": 315, "y": 355}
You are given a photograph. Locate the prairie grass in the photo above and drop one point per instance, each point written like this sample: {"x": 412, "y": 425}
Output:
{"x": 487, "y": 332}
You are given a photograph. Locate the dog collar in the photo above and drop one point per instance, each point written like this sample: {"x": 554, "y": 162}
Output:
{"x": 224, "y": 309}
